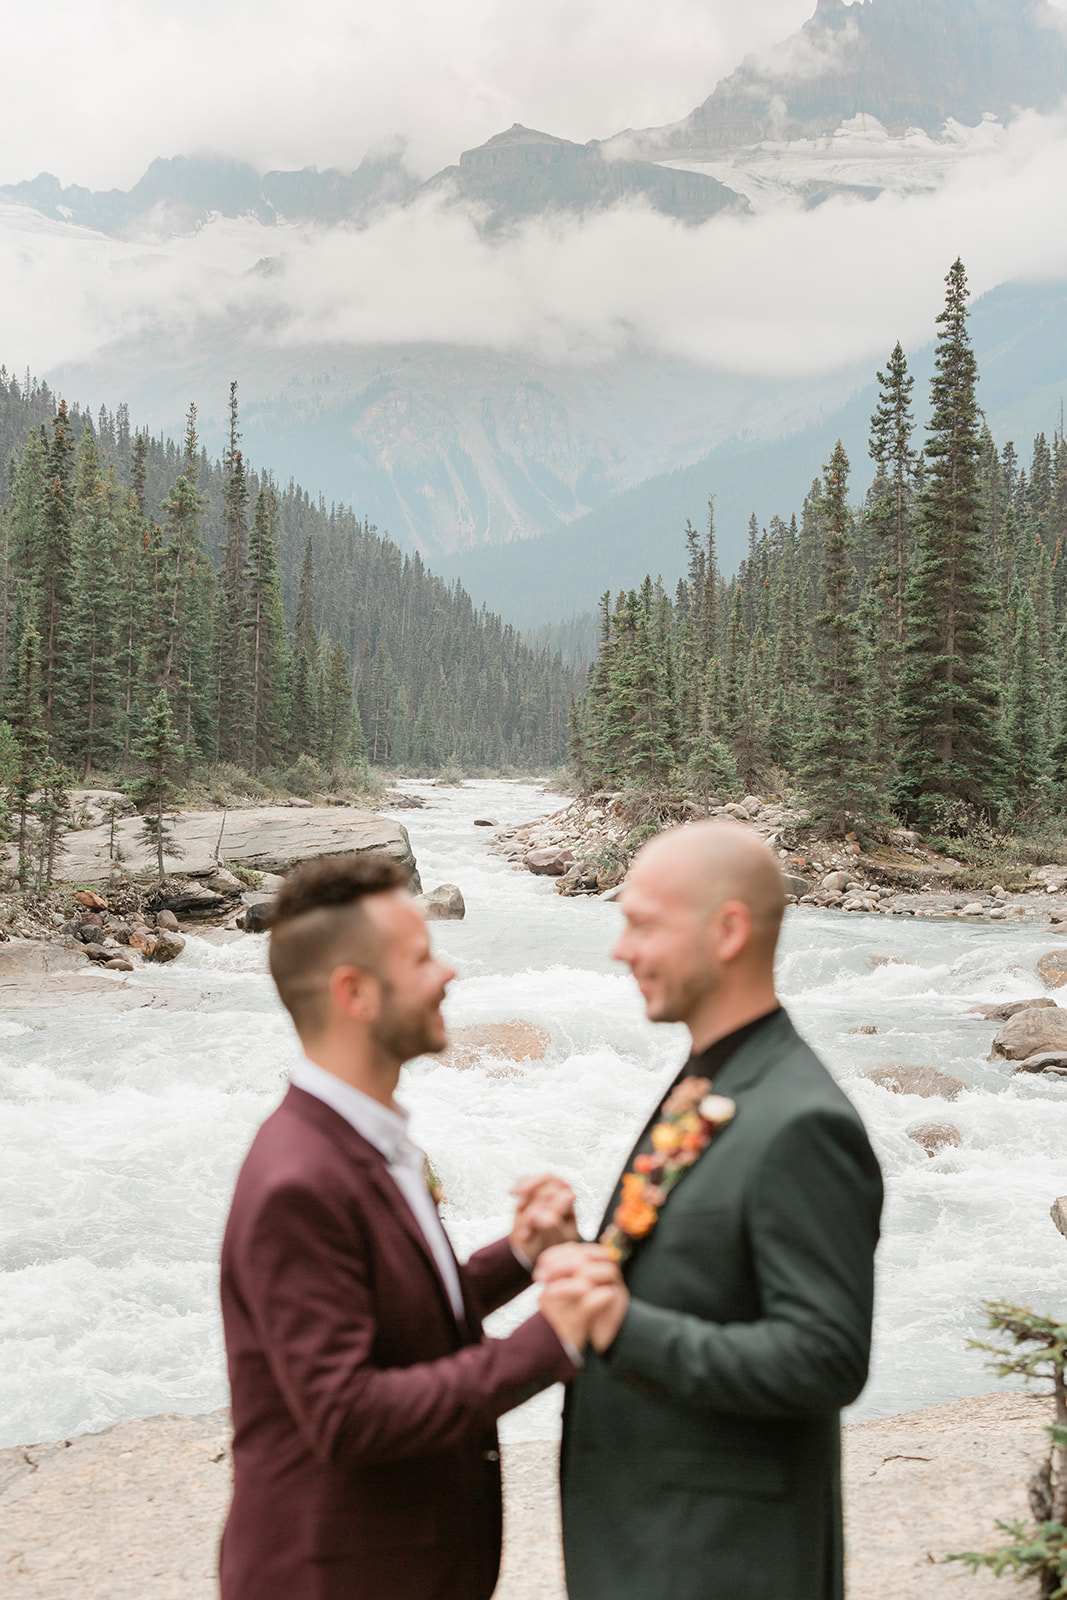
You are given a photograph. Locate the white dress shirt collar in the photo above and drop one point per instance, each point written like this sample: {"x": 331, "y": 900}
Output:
{"x": 385, "y": 1127}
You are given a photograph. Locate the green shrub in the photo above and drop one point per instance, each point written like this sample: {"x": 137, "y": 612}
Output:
{"x": 1040, "y": 1351}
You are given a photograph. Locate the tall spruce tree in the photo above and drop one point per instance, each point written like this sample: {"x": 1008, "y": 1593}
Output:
{"x": 892, "y": 426}
{"x": 155, "y": 794}
{"x": 837, "y": 771}
{"x": 90, "y": 680}
{"x": 1024, "y": 717}
{"x": 53, "y": 562}
{"x": 949, "y": 740}
{"x": 264, "y": 644}
{"x": 26, "y": 719}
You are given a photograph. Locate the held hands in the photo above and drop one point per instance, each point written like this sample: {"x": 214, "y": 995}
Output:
{"x": 584, "y": 1296}
{"x": 544, "y": 1215}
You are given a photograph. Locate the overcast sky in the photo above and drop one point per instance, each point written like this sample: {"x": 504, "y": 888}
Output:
{"x": 94, "y": 89}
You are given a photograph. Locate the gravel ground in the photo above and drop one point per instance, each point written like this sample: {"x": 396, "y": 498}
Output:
{"x": 134, "y": 1513}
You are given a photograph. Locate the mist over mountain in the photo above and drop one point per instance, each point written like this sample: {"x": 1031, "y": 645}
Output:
{"x": 912, "y": 64}
{"x": 546, "y": 338}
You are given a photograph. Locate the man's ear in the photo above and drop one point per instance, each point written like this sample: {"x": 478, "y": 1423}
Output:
{"x": 356, "y": 993}
{"x": 735, "y": 929}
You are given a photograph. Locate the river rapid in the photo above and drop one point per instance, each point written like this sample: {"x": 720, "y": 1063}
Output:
{"x": 121, "y": 1135}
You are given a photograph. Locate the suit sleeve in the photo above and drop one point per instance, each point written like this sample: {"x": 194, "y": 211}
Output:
{"x": 494, "y": 1276}
{"x": 308, "y": 1293}
{"x": 812, "y": 1222}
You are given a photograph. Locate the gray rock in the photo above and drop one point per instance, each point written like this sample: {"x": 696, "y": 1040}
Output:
{"x": 836, "y": 881}
{"x": 737, "y": 812}
{"x": 223, "y": 881}
{"x": 551, "y": 862}
{"x": 925, "y": 1081}
{"x": 975, "y": 909}
{"x": 168, "y": 946}
{"x": 483, "y": 822}
{"x": 934, "y": 1136}
{"x": 1058, "y": 1213}
{"x": 118, "y": 964}
{"x": 1053, "y": 968}
{"x": 795, "y": 885}
{"x": 1030, "y": 1033}
{"x": 167, "y": 920}
{"x": 256, "y": 918}
{"x": 1001, "y": 1010}
{"x": 443, "y": 904}
{"x": 1053, "y": 1062}
{"x": 189, "y": 898}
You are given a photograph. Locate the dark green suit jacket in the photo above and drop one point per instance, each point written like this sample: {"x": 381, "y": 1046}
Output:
{"x": 701, "y": 1453}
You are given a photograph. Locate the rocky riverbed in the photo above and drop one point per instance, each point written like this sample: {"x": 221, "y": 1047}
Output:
{"x": 134, "y": 1513}
{"x": 586, "y": 848}
{"x": 110, "y": 914}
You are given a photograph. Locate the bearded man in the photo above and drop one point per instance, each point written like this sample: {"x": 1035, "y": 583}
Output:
{"x": 365, "y": 1394}
{"x": 728, "y": 1305}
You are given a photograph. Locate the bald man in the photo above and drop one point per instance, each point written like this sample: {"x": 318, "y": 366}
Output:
{"x": 726, "y": 1316}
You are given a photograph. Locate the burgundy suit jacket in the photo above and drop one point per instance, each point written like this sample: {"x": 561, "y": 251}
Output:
{"x": 366, "y": 1463}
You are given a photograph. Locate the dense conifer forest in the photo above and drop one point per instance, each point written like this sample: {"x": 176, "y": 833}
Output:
{"x": 904, "y": 657}
{"x": 277, "y": 630}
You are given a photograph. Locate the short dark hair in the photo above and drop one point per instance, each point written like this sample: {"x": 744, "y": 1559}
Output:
{"x": 317, "y": 923}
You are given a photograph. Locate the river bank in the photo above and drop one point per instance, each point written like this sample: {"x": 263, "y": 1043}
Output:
{"x": 134, "y": 1513}
{"x": 586, "y": 846}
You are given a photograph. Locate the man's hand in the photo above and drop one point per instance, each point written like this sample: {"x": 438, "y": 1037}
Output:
{"x": 544, "y": 1215}
{"x": 584, "y": 1297}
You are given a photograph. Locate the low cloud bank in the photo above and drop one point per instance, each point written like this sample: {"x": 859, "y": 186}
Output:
{"x": 782, "y": 294}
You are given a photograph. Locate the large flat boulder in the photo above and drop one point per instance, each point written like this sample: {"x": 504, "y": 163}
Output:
{"x": 514, "y": 1040}
{"x": 925, "y": 1081}
{"x": 1001, "y": 1010}
{"x": 262, "y": 838}
{"x": 1053, "y": 968}
{"x": 1030, "y": 1033}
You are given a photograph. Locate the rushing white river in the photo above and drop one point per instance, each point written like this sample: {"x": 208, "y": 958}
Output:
{"x": 121, "y": 1135}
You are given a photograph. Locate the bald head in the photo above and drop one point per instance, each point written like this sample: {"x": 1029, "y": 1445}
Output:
{"x": 703, "y": 907}
{"x": 708, "y": 863}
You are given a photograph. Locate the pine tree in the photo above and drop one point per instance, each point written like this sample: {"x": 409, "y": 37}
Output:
{"x": 837, "y": 771}
{"x": 162, "y": 754}
{"x": 336, "y": 726}
{"x": 51, "y": 811}
{"x": 1024, "y": 723}
{"x": 711, "y": 768}
{"x": 232, "y": 686}
{"x": 264, "y": 645}
{"x": 31, "y": 743}
{"x": 90, "y": 679}
{"x": 949, "y": 743}
{"x": 892, "y": 426}
{"x": 649, "y": 755}
{"x": 53, "y": 562}
{"x": 182, "y": 617}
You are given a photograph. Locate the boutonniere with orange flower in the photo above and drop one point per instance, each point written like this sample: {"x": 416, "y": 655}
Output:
{"x": 691, "y": 1118}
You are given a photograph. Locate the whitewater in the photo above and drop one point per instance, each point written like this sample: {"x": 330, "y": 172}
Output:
{"x": 122, "y": 1134}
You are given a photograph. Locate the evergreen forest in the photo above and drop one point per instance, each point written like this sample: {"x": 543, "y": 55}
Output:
{"x": 284, "y": 637}
{"x": 904, "y": 657}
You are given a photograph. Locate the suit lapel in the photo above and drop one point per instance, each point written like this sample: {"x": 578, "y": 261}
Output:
{"x": 753, "y": 1058}
{"x": 376, "y": 1169}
